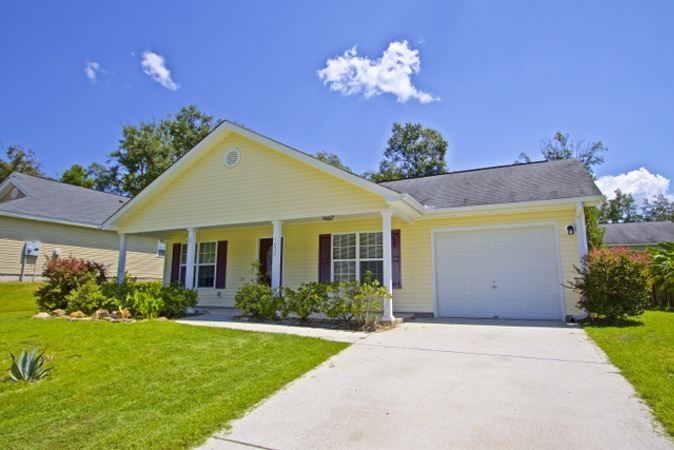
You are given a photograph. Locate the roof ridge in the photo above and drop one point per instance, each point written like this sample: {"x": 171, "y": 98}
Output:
{"x": 68, "y": 185}
{"x": 479, "y": 169}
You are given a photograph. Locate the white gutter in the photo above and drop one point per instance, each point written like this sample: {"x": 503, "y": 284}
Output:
{"x": 50, "y": 220}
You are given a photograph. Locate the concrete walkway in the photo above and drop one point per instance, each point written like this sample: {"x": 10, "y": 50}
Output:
{"x": 456, "y": 384}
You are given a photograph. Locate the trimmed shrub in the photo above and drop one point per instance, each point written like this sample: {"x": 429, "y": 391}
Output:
{"x": 256, "y": 299}
{"x": 340, "y": 299}
{"x": 662, "y": 268}
{"x": 177, "y": 298}
{"x": 63, "y": 276}
{"x": 88, "y": 296}
{"x": 613, "y": 283}
{"x": 368, "y": 304}
{"x": 306, "y": 300}
{"x": 145, "y": 300}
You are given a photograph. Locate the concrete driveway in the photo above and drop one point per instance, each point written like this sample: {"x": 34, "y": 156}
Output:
{"x": 456, "y": 384}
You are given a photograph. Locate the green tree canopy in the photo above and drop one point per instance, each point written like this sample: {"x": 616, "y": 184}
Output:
{"x": 18, "y": 159}
{"x": 620, "y": 209}
{"x": 561, "y": 147}
{"x": 149, "y": 148}
{"x": 659, "y": 209}
{"x": 333, "y": 160}
{"x": 412, "y": 151}
{"x": 78, "y": 176}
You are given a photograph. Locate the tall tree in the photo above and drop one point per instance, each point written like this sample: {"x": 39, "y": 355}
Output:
{"x": 149, "y": 148}
{"x": 659, "y": 209}
{"x": 595, "y": 233}
{"x": 333, "y": 160}
{"x": 77, "y": 176}
{"x": 561, "y": 147}
{"x": 18, "y": 159}
{"x": 412, "y": 151}
{"x": 106, "y": 179}
{"x": 620, "y": 209}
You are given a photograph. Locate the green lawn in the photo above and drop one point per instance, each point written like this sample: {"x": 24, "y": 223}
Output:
{"x": 142, "y": 385}
{"x": 644, "y": 352}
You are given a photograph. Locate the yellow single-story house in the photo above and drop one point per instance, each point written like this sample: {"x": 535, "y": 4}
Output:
{"x": 496, "y": 242}
{"x": 42, "y": 218}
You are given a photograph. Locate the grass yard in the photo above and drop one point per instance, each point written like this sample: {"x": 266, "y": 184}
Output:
{"x": 644, "y": 353}
{"x": 142, "y": 385}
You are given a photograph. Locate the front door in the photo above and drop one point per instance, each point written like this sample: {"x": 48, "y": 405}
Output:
{"x": 266, "y": 258}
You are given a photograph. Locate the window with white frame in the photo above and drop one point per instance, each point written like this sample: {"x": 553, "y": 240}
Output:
{"x": 205, "y": 259}
{"x": 161, "y": 248}
{"x": 354, "y": 254}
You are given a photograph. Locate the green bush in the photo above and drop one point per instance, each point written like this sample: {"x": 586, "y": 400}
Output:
{"x": 339, "y": 301}
{"x": 88, "y": 296}
{"x": 662, "y": 268}
{"x": 256, "y": 299}
{"x": 63, "y": 275}
{"x": 613, "y": 283}
{"x": 306, "y": 300}
{"x": 145, "y": 300}
{"x": 368, "y": 303}
{"x": 177, "y": 298}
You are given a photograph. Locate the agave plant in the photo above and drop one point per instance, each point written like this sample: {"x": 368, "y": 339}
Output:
{"x": 28, "y": 366}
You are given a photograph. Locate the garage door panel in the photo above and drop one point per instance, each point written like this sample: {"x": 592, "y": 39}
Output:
{"x": 509, "y": 273}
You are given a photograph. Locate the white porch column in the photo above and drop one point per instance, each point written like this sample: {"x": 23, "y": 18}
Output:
{"x": 388, "y": 270}
{"x": 191, "y": 252}
{"x": 121, "y": 260}
{"x": 581, "y": 232}
{"x": 276, "y": 255}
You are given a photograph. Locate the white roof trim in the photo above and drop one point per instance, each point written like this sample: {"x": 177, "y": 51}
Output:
{"x": 14, "y": 182}
{"x": 226, "y": 126}
{"x": 495, "y": 208}
{"x": 49, "y": 220}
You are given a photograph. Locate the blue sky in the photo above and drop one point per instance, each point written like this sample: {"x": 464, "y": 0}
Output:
{"x": 502, "y": 75}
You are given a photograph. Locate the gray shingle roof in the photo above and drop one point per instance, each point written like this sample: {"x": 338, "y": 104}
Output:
{"x": 49, "y": 199}
{"x": 638, "y": 233}
{"x": 546, "y": 180}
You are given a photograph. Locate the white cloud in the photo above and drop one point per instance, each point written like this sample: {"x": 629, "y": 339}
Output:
{"x": 391, "y": 74}
{"x": 92, "y": 69}
{"x": 154, "y": 65}
{"x": 640, "y": 183}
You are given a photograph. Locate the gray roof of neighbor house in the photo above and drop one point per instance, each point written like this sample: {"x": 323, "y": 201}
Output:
{"x": 545, "y": 180}
{"x": 53, "y": 200}
{"x": 638, "y": 233}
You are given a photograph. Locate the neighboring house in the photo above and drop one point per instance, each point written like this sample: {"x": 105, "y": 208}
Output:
{"x": 638, "y": 235}
{"x": 495, "y": 242}
{"x": 64, "y": 220}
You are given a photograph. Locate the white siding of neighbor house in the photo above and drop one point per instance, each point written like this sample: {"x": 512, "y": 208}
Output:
{"x": 88, "y": 243}
{"x": 300, "y": 252}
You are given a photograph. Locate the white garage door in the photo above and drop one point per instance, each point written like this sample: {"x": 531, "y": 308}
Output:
{"x": 506, "y": 273}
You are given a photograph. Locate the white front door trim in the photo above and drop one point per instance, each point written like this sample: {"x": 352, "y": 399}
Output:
{"x": 553, "y": 224}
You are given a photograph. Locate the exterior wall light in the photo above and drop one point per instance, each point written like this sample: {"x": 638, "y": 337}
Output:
{"x": 571, "y": 230}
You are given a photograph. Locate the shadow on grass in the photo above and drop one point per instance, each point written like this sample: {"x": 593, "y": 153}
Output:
{"x": 664, "y": 309}
{"x": 621, "y": 323}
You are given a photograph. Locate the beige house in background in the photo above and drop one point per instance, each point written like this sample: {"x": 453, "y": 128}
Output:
{"x": 493, "y": 242}
{"x": 40, "y": 218}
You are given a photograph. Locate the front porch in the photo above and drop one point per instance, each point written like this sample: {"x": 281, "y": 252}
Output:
{"x": 291, "y": 250}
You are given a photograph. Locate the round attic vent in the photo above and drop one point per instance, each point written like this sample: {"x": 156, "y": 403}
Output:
{"x": 14, "y": 193}
{"x": 232, "y": 157}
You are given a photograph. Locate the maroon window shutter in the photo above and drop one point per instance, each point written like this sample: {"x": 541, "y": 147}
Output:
{"x": 395, "y": 259}
{"x": 221, "y": 265}
{"x": 175, "y": 263}
{"x": 324, "y": 253}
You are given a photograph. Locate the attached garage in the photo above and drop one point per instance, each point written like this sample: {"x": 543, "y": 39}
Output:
{"x": 511, "y": 272}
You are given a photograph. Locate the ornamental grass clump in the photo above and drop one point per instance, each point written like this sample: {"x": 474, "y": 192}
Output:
{"x": 613, "y": 283}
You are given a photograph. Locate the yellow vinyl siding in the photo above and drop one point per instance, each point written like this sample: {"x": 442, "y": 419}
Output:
{"x": 88, "y": 243}
{"x": 300, "y": 252}
{"x": 265, "y": 185}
